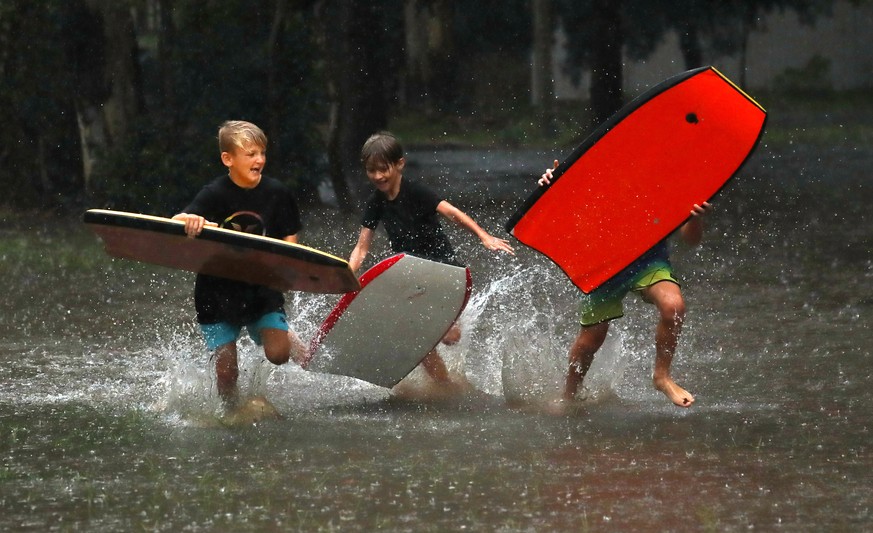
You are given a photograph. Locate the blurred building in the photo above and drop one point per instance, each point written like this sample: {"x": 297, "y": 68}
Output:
{"x": 834, "y": 54}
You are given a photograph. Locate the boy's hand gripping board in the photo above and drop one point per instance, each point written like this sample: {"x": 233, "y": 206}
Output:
{"x": 221, "y": 252}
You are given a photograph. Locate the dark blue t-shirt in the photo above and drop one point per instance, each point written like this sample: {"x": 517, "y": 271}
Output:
{"x": 268, "y": 209}
{"x": 411, "y": 221}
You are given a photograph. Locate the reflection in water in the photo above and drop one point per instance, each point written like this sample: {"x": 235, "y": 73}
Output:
{"x": 109, "y": 411}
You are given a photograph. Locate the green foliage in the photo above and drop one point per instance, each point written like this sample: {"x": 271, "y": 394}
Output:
{"x": 715, "y": 29}
{"x": 155, "y": 172}
{"x": 202, "y": 62}
{"x": 489, "y": 26}
{"x": 218, "y": 68}
{"x": 38, "y": 141}
{"x": 811, "y": 79}
{"x": 207, "y": 63}
{"x": 519, "y": 126}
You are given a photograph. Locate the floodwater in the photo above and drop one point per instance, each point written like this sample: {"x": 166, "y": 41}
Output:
{"x": 109, "y": 417}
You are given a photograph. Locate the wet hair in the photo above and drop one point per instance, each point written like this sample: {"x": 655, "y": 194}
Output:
{"x": 239, "y": 133}
{"x": 382, "y": 147}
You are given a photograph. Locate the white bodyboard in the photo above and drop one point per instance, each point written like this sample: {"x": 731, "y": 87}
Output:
{"x": 404, "y": 308}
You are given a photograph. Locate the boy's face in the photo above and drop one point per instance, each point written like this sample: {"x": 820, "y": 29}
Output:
{"x": 246, "y": 164}
{"x": 385, "y": 176}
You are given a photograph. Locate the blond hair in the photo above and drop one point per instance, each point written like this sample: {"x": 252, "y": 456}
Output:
{"x": 239, "y": 133}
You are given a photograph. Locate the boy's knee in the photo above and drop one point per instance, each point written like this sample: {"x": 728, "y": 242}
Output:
{"x": 278, "y": 357}
{"x": 277, "y": 346}
{"x": 673, "y": 309}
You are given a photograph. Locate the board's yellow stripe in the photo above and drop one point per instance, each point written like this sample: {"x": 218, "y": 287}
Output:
{"x": 737, "y": 87}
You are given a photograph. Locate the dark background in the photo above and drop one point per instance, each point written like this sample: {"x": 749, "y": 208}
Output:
{"x": 116, "y": 103}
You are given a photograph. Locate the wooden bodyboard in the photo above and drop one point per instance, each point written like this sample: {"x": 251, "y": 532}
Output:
{"x": 634, "y": 181}
{"x": 404, "y": 308}
{"x": 221, "y": 252}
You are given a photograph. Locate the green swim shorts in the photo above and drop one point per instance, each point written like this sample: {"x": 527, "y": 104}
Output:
{"x": 605, "y": 302}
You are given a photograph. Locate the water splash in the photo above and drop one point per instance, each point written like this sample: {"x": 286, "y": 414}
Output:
{"x": 521, "y": 324}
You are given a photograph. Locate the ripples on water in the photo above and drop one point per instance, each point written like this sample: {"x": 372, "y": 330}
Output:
{"x": 109, "y": 411}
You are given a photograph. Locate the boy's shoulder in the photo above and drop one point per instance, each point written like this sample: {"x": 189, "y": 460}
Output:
{"x": 272, "y": 182}
{"x": 217, "y": 183}
{"x": 415, "y": 187}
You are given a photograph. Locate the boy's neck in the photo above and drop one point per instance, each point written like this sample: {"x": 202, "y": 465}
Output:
{"x": 394, "y": 191}
{"x": 243, "y": 184}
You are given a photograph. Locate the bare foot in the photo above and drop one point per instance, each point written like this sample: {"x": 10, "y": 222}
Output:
{"x": 251, "y": 411}
{"x": 454, "y": 386}
{"x": 562, "y": 405}
{"x": 559, "y": 406}
{"x": 677, "y": 394}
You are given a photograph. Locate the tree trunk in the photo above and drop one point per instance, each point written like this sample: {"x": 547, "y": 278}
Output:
{"x": 606, "y": 65}
{"x": 273, "y": 100}
{"x": 748, "y": 24}
{"x": 166, "y": 33}
{"x": 542, "y": 85}
{"x": 689, "y": 43}
{"x": 109, "y": 96}
{"x": 443, "y": 75}
{"x": 431, "y": 66}
{"x": 123, "y": 76}
{"x": 418, "y": 66}
{"x": 331, "y": 15}
{"x": 358, "y": 72}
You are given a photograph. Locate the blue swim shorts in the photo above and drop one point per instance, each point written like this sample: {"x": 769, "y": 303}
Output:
{"x": 221, "y": 333}
{"x": 605, "y": 302}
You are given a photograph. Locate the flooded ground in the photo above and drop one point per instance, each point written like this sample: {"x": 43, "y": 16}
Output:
{"x": 107, "y": 405}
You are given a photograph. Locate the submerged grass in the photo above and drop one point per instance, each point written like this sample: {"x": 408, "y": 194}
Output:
{"x": 33, "y": 251}
{"x": 824, "y": 118}
{"x": 515, "y": 127}
{"x": 33, "y": 245}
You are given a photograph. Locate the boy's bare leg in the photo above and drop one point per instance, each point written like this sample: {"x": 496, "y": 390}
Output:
{"x": 452, "y": 336}
{"x": 589, "y": 340}
{"x": 435, "y": 367}
{"x": 226, "y": 372}
{"x": 281, "y": 345}
{"x": 299, "y": 351}
{"x": 671, "y": 308}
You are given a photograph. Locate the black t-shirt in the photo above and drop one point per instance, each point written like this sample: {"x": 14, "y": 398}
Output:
{"x": 268, "y": 209}
{"x": 411, "y": 221}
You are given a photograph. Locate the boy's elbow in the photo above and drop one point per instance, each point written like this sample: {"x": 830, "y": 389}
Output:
{"x": 692, "y": 238}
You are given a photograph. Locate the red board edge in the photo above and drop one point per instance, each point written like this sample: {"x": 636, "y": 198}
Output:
{"x": 344, "y": 304}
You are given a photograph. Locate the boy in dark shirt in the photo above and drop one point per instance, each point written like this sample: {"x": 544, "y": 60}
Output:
{"x": 243, "y": 200}
{"x": 409, "y": 211}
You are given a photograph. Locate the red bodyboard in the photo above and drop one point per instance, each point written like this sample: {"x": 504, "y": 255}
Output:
{"x": 635, "y": 179}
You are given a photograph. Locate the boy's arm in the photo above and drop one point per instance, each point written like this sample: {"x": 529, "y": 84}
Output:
{"x": 692, "y": 231}
{"x": 365, "y": 239}
{"x": 462, "y": 219}
{"x": 194, "y": 224}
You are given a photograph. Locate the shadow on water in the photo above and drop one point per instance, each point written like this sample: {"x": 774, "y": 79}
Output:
{"x": 108, "y": 406}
